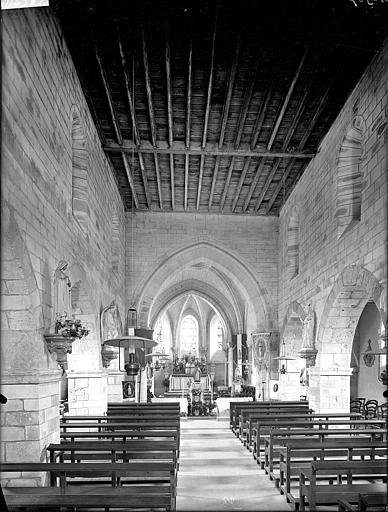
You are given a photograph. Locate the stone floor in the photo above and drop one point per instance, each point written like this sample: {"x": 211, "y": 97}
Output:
{"x": 216, "y": 472}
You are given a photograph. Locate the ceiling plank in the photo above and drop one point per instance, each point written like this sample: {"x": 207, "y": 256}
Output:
{"x": 201, "y": 165}
{"x": 245, "y": 104}
{"x": 280, "y": 185}
{"x": 258, "y": 172}
{"x": 148, "y": 88}
{"x": 303, "y": 141}
{"x": 178, "y": 148}
{"x": 130, "y": 179}
{"x": 129, "y": 91}
{"x": 230, "y": 85}
{"x": 267, "y": 183}
{"x": 225, "y": 191}
{"x": 172, "y": 176}
{"x": 186, "y": 179}
{"x": 107, "y": 90}
{"x": 168, "y": 80}
{"x": 241, "y": 181}
{"x": 286, "y": 101}
{"x": 215, "y": 173}
{"x": 260, "y": 118}
{"x": 157, "y": 171}
{"x": 145, "y": 181}
{"x": 188, "y": 107}
{"x": 210, "y": 84}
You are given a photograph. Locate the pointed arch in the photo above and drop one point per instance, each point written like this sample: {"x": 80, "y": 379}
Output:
{"x": 349, "y": 178}
{"x": 293, "y": 244}
{"x": 79, "y": 181}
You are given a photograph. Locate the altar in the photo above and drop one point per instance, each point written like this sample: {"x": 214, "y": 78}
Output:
{"x": 183, "y": 403}
{"x": 182, "y": 382}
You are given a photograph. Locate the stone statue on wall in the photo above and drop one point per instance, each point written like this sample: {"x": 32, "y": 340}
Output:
{"x": 308, "y": 350}
{"x": 62, "y": 291}
{"x": 111, "y": 326}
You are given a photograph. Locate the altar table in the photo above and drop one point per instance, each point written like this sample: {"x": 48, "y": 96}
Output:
{"x": 182, "y": 402}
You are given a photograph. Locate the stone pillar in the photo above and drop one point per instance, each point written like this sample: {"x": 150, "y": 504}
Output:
{"x": 230, "y": 366}
{"x": 329, "y": 389}
{"x": 115, "y": 387}
{"x": 87, "y": 393}
{"x": 143, "y": 385}
{"x": 29, "y": 419}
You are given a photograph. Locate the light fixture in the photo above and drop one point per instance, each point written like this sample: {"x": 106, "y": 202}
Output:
{"x": 283, "y": 358}
{"x": 136, "y": 339}
{"x": 160, "y": 360}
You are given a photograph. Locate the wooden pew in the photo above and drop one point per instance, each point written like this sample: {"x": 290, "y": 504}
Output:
{"x": 254, "y": 419}
{"x": 121, "y": 435}
{"x": 328, "y": 494}
{"x": 274, "y": 409}
{"x": 243, "y": 416}
{"x": 234, "y": 406}
{"x": 143, "y": 495}
{"x": 113, "y": 451}
{"x": 278, "y": 437}
{"x": 263, "y": 427}
{"x": 376, "y": 500}
{"x": 299, "y": 453}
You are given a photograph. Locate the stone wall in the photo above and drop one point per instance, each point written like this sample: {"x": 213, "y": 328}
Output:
{"x": 50, "y": 149}
{"x": 342, "y": 251}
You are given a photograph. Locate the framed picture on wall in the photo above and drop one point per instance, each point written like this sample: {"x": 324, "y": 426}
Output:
{"x": 128, "y": 389}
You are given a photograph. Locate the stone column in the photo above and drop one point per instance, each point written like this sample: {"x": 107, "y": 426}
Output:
{"x": 230, "y": 366}
{"x": 29, "y": 419}
{"x": 87, "y": 392}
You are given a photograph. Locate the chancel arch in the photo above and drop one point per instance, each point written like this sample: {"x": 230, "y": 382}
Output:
{"x": 240, "y": 278}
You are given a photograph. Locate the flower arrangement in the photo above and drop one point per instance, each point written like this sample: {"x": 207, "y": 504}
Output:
{"x": 70, "y": 328}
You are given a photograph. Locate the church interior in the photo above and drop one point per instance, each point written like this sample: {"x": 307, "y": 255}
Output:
{"x": 194, "y": 255}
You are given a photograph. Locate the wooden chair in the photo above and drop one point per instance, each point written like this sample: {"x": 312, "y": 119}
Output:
{"x": 383, "y": 411}
{"x": 357, "y": 405}
{"x": 371, "y": 409}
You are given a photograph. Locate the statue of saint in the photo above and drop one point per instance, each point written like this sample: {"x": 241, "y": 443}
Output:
{"x": 111, "y": 322}
{"x": 308, "y": 330}
{"x": 62, "y": 291}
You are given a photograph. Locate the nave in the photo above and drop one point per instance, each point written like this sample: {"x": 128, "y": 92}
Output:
{"x": 217, "y": 473}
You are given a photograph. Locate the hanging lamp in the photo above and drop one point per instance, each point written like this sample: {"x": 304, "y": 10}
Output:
{"x": 283, "y": 358}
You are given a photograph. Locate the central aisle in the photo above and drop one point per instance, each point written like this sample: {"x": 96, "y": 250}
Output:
{"x": 216, "y": 472}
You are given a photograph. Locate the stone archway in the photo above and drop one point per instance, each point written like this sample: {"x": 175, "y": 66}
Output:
{"x": 354, "y": 287}
{"x": 29, "y": 374}
{"x": 240, "y": 279}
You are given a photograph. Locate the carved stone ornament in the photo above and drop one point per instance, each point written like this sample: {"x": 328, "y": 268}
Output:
{"x": 107, "y": 355}
{"x": 61, "y": 346}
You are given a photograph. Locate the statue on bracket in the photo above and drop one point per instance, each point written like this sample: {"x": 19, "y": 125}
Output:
{"x": 308, "y": 350}
{"x": 111, "y": 328}
{"x": 62, "y": 291}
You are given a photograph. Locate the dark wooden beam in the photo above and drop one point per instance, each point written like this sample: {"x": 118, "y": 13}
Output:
{"x": 188, "y": 106}
{"x": 210, "y": 84}
{"x": 200, "y": 180}
{"x": 215, "y": 173}
{"x": 230, "y": 85}
{"x": 241, "y": 181}
{"x": 130, "y": 179}
{"x": 145, "y": 181}
{"x": 186, "y": 179}
{"x": 286, "y": 101}
{"x": 107, "y": 90}
{"x": 148, "y": 88}
{"x": 280, "y": 185}
{"x": 225, "y": 191}
{"x": 260, "y": 118}
{"x": 157, "y": 171}
{"x": 254, "y": 183}
{"x": 246, "y": 102}
{"x": 129, "y": 91}
{"x": 267, "y": 183}
{"x": 172, "y": 175}
{"x": 168, "y": 84}
{"x": 316, "y": 115}
{"x": 179, "y": 148}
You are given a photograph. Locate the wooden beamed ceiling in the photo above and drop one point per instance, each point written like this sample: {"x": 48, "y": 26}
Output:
{"x": 206, "y": 106}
